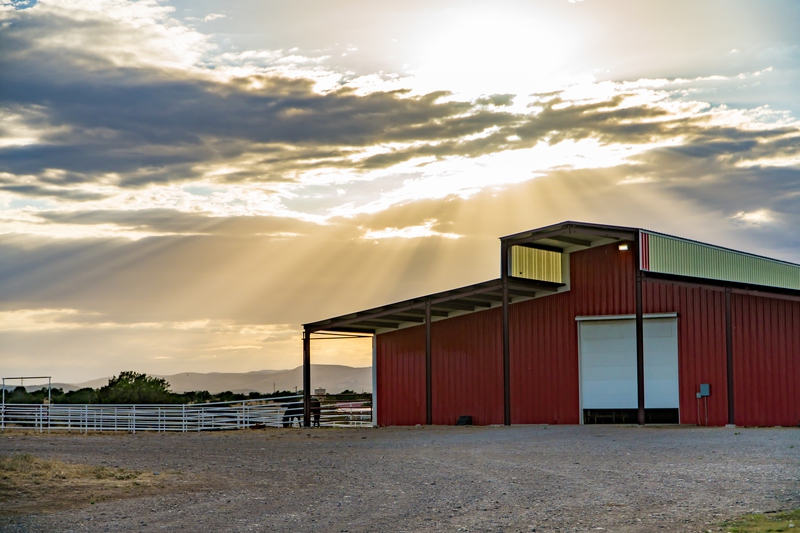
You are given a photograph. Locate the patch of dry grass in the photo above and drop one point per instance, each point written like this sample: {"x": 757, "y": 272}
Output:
{"x": 27, "y": 466}
{"x": 32, "y": 484}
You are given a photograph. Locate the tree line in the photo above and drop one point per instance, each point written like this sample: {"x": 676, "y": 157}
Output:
{"x": 132, "y": 387}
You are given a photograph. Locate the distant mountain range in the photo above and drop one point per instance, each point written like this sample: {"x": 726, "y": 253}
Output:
{"x": 332, "y": 378}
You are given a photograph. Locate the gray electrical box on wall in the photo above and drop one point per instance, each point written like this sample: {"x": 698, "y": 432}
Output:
{"x": 705, "y": 390}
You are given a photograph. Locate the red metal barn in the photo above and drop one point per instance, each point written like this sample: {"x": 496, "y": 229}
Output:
{"x": 593, "y": 324}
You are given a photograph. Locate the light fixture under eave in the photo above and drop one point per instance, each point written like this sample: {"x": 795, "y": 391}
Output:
{"x": 623, "y": 247}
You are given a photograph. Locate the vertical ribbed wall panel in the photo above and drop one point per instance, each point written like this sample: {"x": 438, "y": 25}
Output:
{"x": 544, "y": 362}
{"x": 401, "y": 377}
{"x": 531, "y": 263}
{"x": 602, "y": 281}
{"x": 671, "y": 255}
{"x": 701, "y": 347}
{"x": 766, "y": 354}
{"x": 467, "y": 368}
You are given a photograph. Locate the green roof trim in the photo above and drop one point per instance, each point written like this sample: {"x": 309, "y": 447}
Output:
{"x": 679, "y": 257}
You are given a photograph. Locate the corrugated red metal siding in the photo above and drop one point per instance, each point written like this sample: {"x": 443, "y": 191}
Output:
{"x": 701, "y": 346}
{"x": 544, "y": 361}
{"x": 545, "y": 385}
{"x": 602, "y": 281}
{"x": 467, "y": 368}
{"x": 603, "y": 284}
{"x": 544, "y": 349}
{"x": 467, "y": 353}
{"x": 401, "y": 377}
{"x": 766, "y": 355}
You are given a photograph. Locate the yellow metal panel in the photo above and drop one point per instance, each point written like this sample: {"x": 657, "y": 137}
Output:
{"x": 532, "y": 263}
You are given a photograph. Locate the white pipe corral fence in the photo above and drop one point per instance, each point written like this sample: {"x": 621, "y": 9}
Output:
{"x": 252, "y": 413}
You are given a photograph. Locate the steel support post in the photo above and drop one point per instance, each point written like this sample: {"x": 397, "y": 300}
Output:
{"x": 428, "y": 365}
{"x": 729, "y": 355}
{"x": 639, "y": 332}
{"x": 506, "y": 338}
{"x": 375, "y": 380}
{"x": 306, "y": 378}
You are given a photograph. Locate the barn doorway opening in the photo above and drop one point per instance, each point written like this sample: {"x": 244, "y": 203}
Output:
{"x": 629, "y": 416}
{"x": 608, "y": 369}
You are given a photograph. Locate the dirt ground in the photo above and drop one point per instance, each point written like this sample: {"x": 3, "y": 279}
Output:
{"x": 520, "y": 478}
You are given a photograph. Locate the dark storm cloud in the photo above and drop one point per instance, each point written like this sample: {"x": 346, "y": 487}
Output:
{"x": 496, "y": 100}
{"x": 147, "y": 125}
{"x": 557, "y": 121}
{"x": 173, "y": 221}
{"x": 718, "y": 186}
{"x": 49, "y": 192}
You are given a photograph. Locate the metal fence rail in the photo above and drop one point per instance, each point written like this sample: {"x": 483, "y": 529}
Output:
{"x": 253, "y": 413}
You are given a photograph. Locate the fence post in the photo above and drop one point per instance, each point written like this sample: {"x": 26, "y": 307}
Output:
{"x": 133, "y": 419}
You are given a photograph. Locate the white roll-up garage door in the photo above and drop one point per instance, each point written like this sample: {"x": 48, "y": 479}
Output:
{"x": 608, "y": 363}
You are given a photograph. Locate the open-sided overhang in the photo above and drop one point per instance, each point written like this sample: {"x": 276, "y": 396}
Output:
{"x": 560, "y": 237}
{"x": 412, "y": 312}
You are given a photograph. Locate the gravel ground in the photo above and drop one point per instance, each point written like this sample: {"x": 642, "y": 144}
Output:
{"x": 521, "y": 478}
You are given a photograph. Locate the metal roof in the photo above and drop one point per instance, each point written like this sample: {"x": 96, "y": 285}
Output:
{"x": 666, "y": 254}
{"x": 570, "y": 235}
{"x": 663, "y": 254}
{"x": 660, "y": 255}
{"x": 468, "y": 299}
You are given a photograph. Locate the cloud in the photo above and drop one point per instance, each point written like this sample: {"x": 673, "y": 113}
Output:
{"x": 103, "y": 118}
{"x": 761, "y": 216}
{"x": 170, "y": 196}
{"x": 47, "y": 192}
{"x": 172, "y": 221}
{"x": 409, "y": 232}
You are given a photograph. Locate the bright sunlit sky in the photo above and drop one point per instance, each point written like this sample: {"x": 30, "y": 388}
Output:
{"x": 183, "y": 183}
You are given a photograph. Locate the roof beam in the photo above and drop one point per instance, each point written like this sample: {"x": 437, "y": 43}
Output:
{"x": 350, "y": 329}
{"x": 454, "y": 306}
{"x": 377, "y": 324}
{"x": 571, "y": 228}
{"x": 383, "y": 319}
{"x": 526, "y": 294}
{"x": 332, "y": 324}
{"x": 545, "y": 247}
{"x": 457, "y": 295}
{"x": 405, "y": 318}
{"x": 524, "y": 284}
{"x": 421, "y": 312}
{"x": 469, "y": 298}
{"x": 475, "y": 303}
{"x": 571, "y": 240}
{"x": 487, "y": 296}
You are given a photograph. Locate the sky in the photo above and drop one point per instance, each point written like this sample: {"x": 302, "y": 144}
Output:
{"x": 183, "y": 183}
